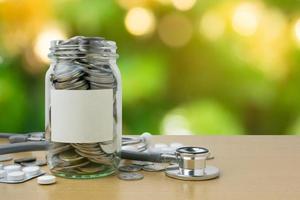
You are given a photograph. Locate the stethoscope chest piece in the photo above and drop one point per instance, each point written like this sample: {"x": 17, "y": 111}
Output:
{"x": 192, "y": 165}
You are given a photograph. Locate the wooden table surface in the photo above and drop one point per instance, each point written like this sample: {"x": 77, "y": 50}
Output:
{"x": 252, "y": 167}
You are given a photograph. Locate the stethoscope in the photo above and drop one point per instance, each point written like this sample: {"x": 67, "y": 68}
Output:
{"x": 189, "y": 163}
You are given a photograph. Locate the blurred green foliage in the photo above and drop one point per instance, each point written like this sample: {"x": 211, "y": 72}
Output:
{"x": 230, "y": 85}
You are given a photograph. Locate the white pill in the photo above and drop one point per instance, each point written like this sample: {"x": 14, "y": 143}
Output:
{"x": 2, "y": 173}
{"x": 46, "y": 180}
{"x": 31, "y": 170}
{"x": 160, "y": 145}
{"x": 15, "y": 176}
{"x": 12, "y": 168}
{"x": 176, "y": 145}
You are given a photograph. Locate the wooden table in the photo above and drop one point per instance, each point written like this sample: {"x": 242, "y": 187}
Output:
{"x": 252, "y": 167}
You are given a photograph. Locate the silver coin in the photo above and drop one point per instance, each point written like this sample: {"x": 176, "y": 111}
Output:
{"x": 141, "y": 163}
{"x": 5, "y": 158}
{"x": 156, "y": 167}
{"x": 130, "y": 168}
{"x": 67, "y": 76}
{"x": 101, "y": 160}
{"x": 70, "y": 156}
{"x": 77, "y": 165}
{"x": 106, "y": 142}
{"x": 92, "y": 168}
{"x": 60, "y": 149}
{"x": 102, "y": 67}
{"x": 130, "y": 176}
{"x": 77, "y": 84}
{"x": 105, "y": 85}
{"x": 172, "y": 167}
{"x": 84, "y": 87}
{"x": 34, "y": 163}
{"x": 85, "y": 152}
{"x": 65, "y": 83}
{"x": 108, "y": 148}
{"x": 86, "y": 148}
{"x": 87, "y": 67}
{"x": 25, "y": 159}
{"x": 95, "y": 79}
{"x": 94, "y": 86}
{"x": 87, "y": 145}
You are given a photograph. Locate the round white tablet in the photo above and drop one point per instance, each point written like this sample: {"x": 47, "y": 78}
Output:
{"x": 2, "y": 173}
{"x": 12, "y": 168}
{"x": 46, "y": 179}
{"x": 15, "y": 176}
{"x": 31, "y": 170}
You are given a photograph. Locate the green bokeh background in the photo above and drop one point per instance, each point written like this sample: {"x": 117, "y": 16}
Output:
{"x": 203, "y": 87}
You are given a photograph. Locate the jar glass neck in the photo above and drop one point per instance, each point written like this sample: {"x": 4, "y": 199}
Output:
{"x": 90, "y": 49}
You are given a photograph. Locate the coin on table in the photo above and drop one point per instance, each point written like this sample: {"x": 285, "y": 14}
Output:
{"x": 130, "y": 176}
{"x": 35, "y": 163}
{"x": 141, "y": 163}
{"x": 25, "y": 159}
{"x": 156, "y": 167}
{"x": 130, "y": 168}
{"x": 172, "y": 167}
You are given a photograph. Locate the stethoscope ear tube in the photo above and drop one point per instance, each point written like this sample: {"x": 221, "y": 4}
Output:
{"x": 141, "y": 156}
{"x": 23, "y": 146}
{"x": 124, "y": 154}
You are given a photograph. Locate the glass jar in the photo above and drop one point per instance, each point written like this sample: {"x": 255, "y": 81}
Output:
{"x": 83, "y": 118}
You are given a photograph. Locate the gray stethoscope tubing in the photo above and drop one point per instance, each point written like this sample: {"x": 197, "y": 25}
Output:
{"x": 23, "y": 142}
{"x": 23, "y": 146}
{"x": 191, "y": 161}
{"x": 19, "y": 137}
{"x": 44, "y": 145}
{"x": 35, "y": 141}
{"x": 148, "y": 156}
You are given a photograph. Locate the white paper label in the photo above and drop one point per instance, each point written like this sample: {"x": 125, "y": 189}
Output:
{"x": 81, "y": 116}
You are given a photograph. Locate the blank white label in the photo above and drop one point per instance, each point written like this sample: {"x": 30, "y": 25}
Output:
{"x": 81, "y": 116}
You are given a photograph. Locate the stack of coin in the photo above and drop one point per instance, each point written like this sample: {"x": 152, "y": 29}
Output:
{"x": 84, "y": 64}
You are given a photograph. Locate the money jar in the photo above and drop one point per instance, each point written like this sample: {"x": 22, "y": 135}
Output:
{"x": 83, "y": 116}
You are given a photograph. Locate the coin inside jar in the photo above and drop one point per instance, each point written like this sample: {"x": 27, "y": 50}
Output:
{"x": 84, "y": 63}
{"x": 70, "y": 156}
{"x": 91, "y": 168}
